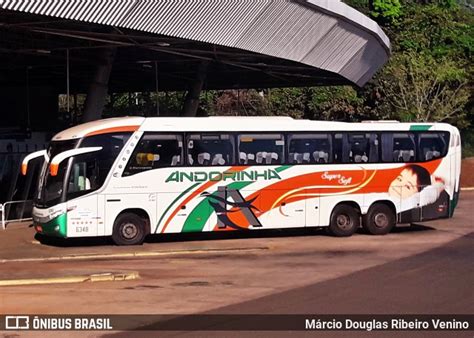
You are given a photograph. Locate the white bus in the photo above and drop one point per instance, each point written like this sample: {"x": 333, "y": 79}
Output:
{"x": 130, "y": 177}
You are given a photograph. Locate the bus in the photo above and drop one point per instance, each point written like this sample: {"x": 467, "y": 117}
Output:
{"x": 130, "y": 177}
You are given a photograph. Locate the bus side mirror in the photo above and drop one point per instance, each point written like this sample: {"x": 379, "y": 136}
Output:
{"x": 54, "y": 167}
{"x": 29, "y": 157}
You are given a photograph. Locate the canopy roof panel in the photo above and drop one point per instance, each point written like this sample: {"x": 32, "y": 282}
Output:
{"x": 267, "y": 42}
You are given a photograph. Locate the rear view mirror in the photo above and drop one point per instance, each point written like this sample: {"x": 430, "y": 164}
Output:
{"x": 29, "y": 157}
{"x": 54, "y": 167}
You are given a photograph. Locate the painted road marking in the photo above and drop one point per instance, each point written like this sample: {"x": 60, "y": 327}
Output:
{"x": 132, "y": 254}
{"x": 97, "y": 277}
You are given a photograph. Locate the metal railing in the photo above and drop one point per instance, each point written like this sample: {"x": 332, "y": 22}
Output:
{"x": 22, "y": 208}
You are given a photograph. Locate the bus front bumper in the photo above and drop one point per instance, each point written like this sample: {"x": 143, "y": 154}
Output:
{"x": 55, "y": 227}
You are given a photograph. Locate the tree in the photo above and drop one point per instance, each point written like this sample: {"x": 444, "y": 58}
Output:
{"x": 386, "y": 11}
{"x": 420, "y": 88}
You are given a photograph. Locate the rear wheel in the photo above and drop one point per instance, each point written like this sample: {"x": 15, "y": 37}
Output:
{"x": 344, "y": 221}
{"x": 379, "y": 220}
{"x": 129, "y": 229}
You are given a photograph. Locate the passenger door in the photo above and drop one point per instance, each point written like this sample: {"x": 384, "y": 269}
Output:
{"x": 83, "y": 179}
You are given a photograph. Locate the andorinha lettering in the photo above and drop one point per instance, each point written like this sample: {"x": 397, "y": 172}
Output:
{"x": 202, "y": 176}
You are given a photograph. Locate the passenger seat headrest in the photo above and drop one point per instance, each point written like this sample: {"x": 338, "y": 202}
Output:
{"x": 218, "y": 160}
{"x": 203, "y": 157}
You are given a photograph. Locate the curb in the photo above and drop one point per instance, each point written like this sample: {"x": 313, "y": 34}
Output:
{"x": 132, "y": 254}
{"x": 100, "y": 277}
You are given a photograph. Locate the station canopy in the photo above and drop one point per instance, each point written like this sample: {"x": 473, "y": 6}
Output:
{"x": 247, "y": 44}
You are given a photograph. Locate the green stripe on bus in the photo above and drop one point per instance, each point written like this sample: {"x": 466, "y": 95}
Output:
{"x": 420, "y": 127}
{"x": 198, "y": 218}
{"x": 172, "y": 203}
{"x": 283, "y": 167}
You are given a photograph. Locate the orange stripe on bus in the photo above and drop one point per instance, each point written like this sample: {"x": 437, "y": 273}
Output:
{"x": 114, "y": 130}
{"x": 310, "y": 185}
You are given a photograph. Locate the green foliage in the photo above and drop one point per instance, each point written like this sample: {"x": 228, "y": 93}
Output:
{"x": 429, "y": 76}
{"x": 436, "y": 30}
{"x": 421, "y": 88}
{"x": 387, "y": 11}
{"x": 448, "y": 4}
{"x": 341, "y": 103}
{"x": 144, "y": 104}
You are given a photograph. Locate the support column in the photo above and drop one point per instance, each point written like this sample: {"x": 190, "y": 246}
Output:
{"x": 98, "y": 89}
{"x": 191, "y": 102}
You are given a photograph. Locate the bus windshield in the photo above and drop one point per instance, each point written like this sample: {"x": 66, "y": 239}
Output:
{"x": 79, "y": 174}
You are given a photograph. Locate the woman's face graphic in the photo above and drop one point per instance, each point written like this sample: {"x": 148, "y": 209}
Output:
{"x": 405, "y": 185}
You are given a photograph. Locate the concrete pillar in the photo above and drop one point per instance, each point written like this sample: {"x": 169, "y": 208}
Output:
{"x": 98, "y": 89}
{"x": 191, "y": 102}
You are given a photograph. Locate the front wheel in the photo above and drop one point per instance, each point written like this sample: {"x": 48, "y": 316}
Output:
{"x": 379, "y": 220}
{"x": 344, "y": 221}
{"x": 129, "y": 229}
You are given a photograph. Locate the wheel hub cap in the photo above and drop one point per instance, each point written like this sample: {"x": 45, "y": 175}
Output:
{"x": 381, "y": 220}
{"x": 129, "y": 231}
{"x": 343, "y": 221}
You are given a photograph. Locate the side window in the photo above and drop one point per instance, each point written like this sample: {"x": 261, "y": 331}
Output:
{"x": 155, "y": 151}
{"x": 432, "y": 145}
{"x": 210, "y": 149}
{"x": 309, "y": 148}
{"x": 399, "y": 147}
{"x": 261, "y": 149}
{"x": 363, "y": 148}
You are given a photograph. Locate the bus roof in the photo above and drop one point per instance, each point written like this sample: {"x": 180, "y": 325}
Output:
{"x": 98, "y": 127}
{"x": 234, "y": 124}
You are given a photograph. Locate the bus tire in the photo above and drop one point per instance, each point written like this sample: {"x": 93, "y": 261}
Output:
{"x": 344, "y": 221}
{"x": 129, "y": 229}
{"x": 379, "y": 220}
